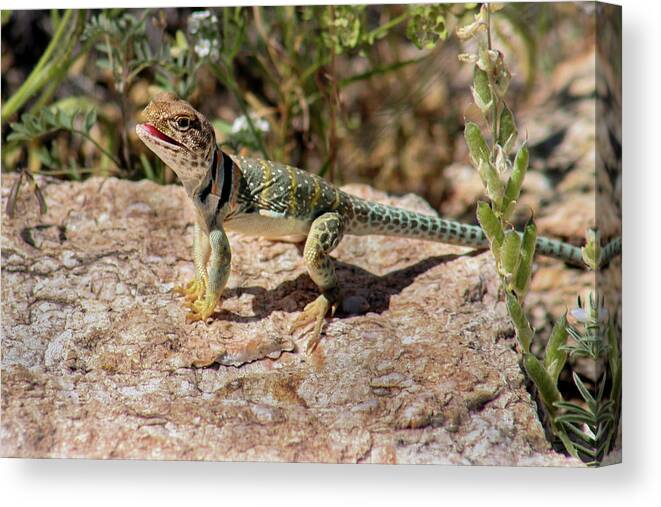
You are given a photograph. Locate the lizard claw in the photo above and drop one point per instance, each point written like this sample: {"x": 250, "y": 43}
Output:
{"x": 314, "y": 312}
{"x": 201, "y": 309}
{"x": 192, "y": 291}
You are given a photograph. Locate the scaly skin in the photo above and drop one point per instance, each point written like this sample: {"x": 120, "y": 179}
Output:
{"x": 274, "y": 200}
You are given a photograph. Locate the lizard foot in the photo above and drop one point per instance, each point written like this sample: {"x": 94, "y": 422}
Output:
{"x": 192, "y": 291}
{"x": 201, "y": 309}
{"x": 314, "y": 312}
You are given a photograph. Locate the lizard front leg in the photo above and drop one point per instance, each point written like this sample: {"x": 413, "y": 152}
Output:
{"x": 325, "y": 234}
{"x": 219, "y": 272}
{"x": 195, "y": 289}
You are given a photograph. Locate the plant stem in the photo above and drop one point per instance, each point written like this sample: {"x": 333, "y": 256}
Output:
{"x": 62, "y": 69}
{"x": 228, "y": 80}
{"x": 332, "y": 103}
{"x": 381, "y": 70}
{"x": 488, "y": 7}
{"x": 496, "y": 99}
{"x": 36, "y": 79}
{"x": 98, "y": 146}
{"x": 388, "y": 25}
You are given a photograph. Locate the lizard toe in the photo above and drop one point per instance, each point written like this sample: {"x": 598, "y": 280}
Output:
{"x": 313, "y": 313}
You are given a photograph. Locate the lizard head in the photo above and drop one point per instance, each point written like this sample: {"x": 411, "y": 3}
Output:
{"x": 181, "y": 137}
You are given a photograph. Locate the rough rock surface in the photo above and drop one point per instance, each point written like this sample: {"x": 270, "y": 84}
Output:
{"x": 98, "y": 361}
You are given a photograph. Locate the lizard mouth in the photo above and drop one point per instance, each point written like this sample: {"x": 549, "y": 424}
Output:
{"x": 154, "y": 132}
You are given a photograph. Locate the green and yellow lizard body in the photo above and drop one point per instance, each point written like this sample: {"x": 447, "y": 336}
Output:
{"x": 274, "y": 200}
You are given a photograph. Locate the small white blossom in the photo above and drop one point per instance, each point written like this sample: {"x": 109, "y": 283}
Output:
{"x": 241, "y": 124}
{"x": 197, "y": 19}
{"x": 203, "y": 29}
{"x": 582, "y": 316}
{"x": 203, "y": 48}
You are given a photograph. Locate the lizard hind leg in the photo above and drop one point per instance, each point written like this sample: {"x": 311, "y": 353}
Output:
{"x": 325, "y": 234}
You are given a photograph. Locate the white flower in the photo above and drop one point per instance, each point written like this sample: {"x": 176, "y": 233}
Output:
{"x": 241, "y": 124}
{"x": 203, "y": 29}
{"x": 199, "y": 18}
{"x": 582, "y": 316}
{"x": 202, "y": 48}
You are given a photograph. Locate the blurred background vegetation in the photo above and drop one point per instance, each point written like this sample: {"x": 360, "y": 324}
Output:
{"x": 370, "y": 94}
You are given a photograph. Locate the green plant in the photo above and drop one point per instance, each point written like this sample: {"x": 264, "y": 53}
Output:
{"x": 292, "y": 53}
{"x": 591, "y": 426}
{"x": 586, "y": 429}
{"x": 125, "y": 52}
{"x": 47, "y": 121}
{"x": 53, "y": 64}
{"x": 120, "y": 38}
{"x": 217, "y": 43}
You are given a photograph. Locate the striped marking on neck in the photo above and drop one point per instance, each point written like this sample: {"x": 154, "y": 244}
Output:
{"x": 223, "y": 174}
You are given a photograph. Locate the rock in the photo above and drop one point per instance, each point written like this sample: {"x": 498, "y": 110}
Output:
{"x": 99, "y": 362}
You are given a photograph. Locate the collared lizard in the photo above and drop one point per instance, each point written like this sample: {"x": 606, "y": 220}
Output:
{"x": 264, "y": 198}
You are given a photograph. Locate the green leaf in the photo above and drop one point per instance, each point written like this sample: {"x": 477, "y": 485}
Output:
{"x": 574, "y": 410}
{"x": 47, "y": 158}
{"x": 506, "y": 129}
{"x": 147, "y": 168}
{"x": 555, "y": 356}
{"x": 585, "y": 393}
{"x": 569, "y": 445}
{"x": 510, "y": 254}
{"x": 48, "y": 118}
{"x": 90, "y": 120}
{"x": 516, "y": 180}
{"x": 528, "y": 244}
{"x": 585, "y": 437}
{"x": 615, "y": 364}
{"x": 63, "y": 119}
{"x": 19, "y": 132}
{"x": 523, "y": 330}
{"x": 548, "y": 391}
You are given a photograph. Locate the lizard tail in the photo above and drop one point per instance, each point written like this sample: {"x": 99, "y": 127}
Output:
{"x": 374, "y": 218}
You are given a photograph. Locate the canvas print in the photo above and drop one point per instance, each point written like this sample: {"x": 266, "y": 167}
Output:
{"x": 340, "y": 234}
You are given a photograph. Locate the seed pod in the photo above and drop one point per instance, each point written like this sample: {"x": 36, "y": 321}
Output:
{"x": 523, "y": 330}
{"x": 491, "y": 179}
{"x": 548, "y": 391}
{"x": 506, "y": 129}
{"x": 528, "y": 244}
{"x": 555, "y": 356}
{"x": 491, "y": 227}
{"x": 481, "y": 90}
{"x": 516, "y": 179}
{"x": 510, "y": 254}
{"x": 477, "y": 146}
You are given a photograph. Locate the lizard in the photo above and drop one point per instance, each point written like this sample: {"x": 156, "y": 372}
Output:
{"x": 264, "y": 198}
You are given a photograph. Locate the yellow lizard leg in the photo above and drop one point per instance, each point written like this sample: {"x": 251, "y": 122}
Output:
{"x": 219, "y": 271}
{"x": 194, "y": 290}
{"x": 325, "y": 233}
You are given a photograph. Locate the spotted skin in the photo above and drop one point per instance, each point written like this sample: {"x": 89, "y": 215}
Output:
{"x": 265, "y": 198}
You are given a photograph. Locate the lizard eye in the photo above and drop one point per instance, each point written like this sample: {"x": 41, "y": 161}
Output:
{"x": 183, "y": 123}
